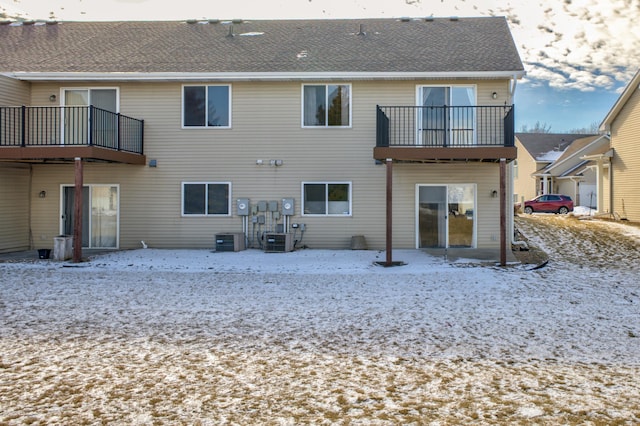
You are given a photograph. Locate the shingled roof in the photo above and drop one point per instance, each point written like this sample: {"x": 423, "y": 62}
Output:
{"x": 547, "y": 146}
{"x": 465, "y": 45}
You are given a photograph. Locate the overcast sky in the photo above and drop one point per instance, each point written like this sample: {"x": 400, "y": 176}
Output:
{"x": 578, "y": 54}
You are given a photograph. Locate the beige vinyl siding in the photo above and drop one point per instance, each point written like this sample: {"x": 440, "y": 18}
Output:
{"x": 625, "y": 139}
{"x": 525, "y": 185}
{"x": 407, "y": 176}
{"x": 14, "y": 180}
{"x": 266, "y": 125}
{"x": 14, "y": 208}
{"x": 13, "y": 92}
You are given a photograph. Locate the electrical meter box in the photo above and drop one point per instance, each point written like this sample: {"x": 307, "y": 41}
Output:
{"x": 242, "y": 205}
{"x": 287, "y": 207}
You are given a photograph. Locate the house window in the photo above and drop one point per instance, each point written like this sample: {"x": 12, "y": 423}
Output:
{"x": 326, "y": 199}
{"x": 206, "y": 106}
{"x": 206, "y": 198}
{"x": 326, "y": 105}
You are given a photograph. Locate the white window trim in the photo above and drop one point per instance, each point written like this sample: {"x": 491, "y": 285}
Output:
{"x": 326, "y": 126}
{"x": 183, "y": 214}
{"x": 63, "y": 90}
{"x": 326, "y": 183}
{"x": 207, "y": 112}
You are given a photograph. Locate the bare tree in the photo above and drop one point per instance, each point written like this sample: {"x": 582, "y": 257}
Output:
{"x": 592, "y": 129}
{"x": 537, "y": 128}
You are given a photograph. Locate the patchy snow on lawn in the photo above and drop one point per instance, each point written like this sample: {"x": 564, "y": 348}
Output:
{"x": 319, "y": 336}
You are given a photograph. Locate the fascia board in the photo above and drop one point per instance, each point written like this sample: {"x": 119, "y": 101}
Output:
{"x": 608, "y": 154}
{"x": 578, "y": 154}
{"x": 256, "y": 76}
{"x": 633, "y": 85}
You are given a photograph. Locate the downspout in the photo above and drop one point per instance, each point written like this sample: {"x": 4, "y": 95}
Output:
{"x": 512, "y": 226}
{"x": 512, "y": 231}
{"x": 512, "y": 86}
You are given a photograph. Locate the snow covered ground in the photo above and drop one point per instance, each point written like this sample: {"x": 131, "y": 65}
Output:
{"x": 328, "y": 337}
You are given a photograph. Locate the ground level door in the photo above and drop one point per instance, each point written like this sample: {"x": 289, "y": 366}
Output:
{"x": 445, "y": 216}
{"x": 100, "y": 220}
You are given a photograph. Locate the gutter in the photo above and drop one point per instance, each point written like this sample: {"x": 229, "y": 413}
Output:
{"x": 595, "y": 157}
{"x": 256, "y": 76}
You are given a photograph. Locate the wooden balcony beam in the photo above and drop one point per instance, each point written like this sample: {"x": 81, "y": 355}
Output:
{"x": 422, "y": 153}
{"x": 69, "y": 153}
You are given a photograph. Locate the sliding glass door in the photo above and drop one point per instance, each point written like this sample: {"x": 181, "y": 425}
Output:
{"x": 447, "y": 116}
{"x": 100, "y": 219}
{"x": 76, "y": 117}
{"x": 445, "y": 216}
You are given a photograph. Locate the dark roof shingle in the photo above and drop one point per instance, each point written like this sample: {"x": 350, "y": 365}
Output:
{"x": 539, "y": 144}
{"x": 387, "y": 45}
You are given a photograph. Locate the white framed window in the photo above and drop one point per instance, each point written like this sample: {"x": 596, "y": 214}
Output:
{"x": 326, "y": 105}
{"x": 206, "y": 198}
{"x": 206, "y": 106}
{"x": 326, "y": 198}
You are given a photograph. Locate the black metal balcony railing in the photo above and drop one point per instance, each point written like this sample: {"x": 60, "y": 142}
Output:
{"x": 445, "y": 126}
{"x": 70, "y": 125}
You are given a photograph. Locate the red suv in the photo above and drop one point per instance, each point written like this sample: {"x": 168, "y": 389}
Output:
{"x": 549, "y": 203}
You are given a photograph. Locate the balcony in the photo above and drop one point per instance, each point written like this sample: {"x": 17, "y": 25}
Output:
{"x": 445, "y": 133}
{"x": 62, "y": 133}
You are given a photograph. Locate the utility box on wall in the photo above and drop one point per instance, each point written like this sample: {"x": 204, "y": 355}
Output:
{"x": 242, "y": 207}
{"x": 287, "y": 207}
{"x": 232, "y": 241}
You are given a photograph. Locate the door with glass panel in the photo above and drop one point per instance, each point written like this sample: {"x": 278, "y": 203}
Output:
{"x": 76, "y": 116}
{"x": 100, "y": 217}
{"x": 447, "y": 115}
{"x": 445, "y": 216}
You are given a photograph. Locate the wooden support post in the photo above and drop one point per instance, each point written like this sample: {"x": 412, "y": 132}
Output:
{"x": 389, "y": 260}
{"x": 77, "y": 212}
{"x": 503, "y": 213}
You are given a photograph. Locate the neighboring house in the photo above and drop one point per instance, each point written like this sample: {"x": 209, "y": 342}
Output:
{"x": 623, "y": 125}
{"x": 565, "y": 164}
{"x": 320, "y": 129}
{"x": 575, "y": 174}
{"x": 536, "y": 151}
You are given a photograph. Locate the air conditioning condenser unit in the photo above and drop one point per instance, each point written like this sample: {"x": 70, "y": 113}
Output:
{"x": 232, "y": 241}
